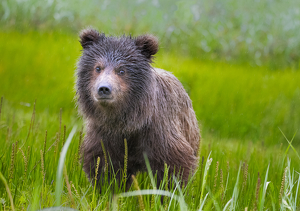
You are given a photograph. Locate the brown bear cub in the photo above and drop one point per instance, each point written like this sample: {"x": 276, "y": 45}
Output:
{"x": 121, "y": 96}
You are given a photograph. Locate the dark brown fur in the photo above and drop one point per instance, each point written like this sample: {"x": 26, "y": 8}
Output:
{"x": 150, "y": 108}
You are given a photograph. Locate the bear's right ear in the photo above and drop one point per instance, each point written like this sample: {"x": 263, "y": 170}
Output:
{"x": 90, "y": 36}
{"x": 147, "y": 44}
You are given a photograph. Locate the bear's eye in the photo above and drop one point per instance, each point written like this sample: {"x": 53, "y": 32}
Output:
{"x": 121, "y": 72}
{"x": 98, "y": 69}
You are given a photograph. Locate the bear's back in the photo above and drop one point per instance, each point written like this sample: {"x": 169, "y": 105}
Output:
{"x": 175, "y": 104}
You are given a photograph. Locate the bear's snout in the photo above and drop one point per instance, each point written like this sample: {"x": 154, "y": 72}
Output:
{"x": 104, "y": 91}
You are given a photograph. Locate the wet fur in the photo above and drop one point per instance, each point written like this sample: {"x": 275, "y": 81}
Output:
{"x": 154, "y": 114}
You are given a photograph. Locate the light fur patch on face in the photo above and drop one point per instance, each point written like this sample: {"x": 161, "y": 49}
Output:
{"x": 95, "y": 98}
{"x": 109, "y": 76}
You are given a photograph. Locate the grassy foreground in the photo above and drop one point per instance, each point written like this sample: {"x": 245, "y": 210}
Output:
{"x": 232, "y": 175}
{"x": 245, "y": 161}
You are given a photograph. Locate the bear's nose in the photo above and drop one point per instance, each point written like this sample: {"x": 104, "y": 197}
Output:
{"x": 104, "y": 91}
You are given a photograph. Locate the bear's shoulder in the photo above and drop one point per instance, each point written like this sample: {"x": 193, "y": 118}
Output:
{"x": 165, "y": 75}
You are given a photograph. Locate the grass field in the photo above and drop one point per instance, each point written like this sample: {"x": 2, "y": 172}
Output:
{"x": 245, "y": 161}
{"x": 231, "y": 101}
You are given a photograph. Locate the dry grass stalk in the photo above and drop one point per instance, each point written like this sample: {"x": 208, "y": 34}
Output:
{"x": 243, "y": 166}
{"x": 282, "y": 185}
{"x": 16, "y": 147}
{"x": 140, "y": 198}
{"x": 216, "y": 177}
{"x": 43, "y": 166}
{"x": 95, "y": 178}
{"x": 97, "y": 169}
{"x": 12, "y": 163}
{"x": 76, "y": 192}
{"x": 221, "y": 184}
{"x": 105, "y": 156}
{"x": 152, "y": 205}
{"x": 245, "y": 176}
{"x": 75, "y": 162}
{"x": 107, "y": 207}
{"x": 167, "y": 177}
{"x": 257, "y": 192}
{"x": 166, "y": 172}
{"x": 55, "y": 150}
{"x": 68, "y": 186}
{"x": 55, "y": 143}
{"x": 25, "y": 163}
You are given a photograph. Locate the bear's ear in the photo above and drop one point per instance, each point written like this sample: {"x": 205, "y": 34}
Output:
{"x": 148, "y": 44}
{"x": 90, "y": 36}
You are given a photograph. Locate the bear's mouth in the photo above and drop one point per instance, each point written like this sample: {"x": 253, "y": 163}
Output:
{"x": 104, "y": 99}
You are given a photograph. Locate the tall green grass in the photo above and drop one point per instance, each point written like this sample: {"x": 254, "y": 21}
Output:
{"x": 255, "y": 32}
{"x": 236, "y": 175}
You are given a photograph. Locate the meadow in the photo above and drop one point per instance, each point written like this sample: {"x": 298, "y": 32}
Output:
{"x": 240, "y": 70}
{"x": 245, "y": 161}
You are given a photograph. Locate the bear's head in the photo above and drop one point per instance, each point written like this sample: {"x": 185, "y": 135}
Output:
{"x": 114, "y": 73}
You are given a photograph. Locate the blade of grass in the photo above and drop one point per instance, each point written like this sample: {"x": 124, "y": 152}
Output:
{"x": 227, "y": 204}
{"x": 235, "y": 194}
{"x": 207, "y": 165}
{"x": 149, "y": 171}
{"x": 290, "y": 143}
{"x": 173, "y": 194}
{"x": 202, "y": 204}
{"x": 262, "y": 200}
{"x": 59, "y": 173}
{"x": 214, "y": 197}
{"x": 183, "y": 205}
{"x": 8, "y": 191}
{"x": 297, "y": 189}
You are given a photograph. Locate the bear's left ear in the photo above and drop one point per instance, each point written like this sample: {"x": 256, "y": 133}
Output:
{"x": 148, "y": 44}
{"x": 89, "y": 36}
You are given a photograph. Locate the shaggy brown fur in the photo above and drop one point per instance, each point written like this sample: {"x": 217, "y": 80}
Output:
{"x": 147, "y": 106}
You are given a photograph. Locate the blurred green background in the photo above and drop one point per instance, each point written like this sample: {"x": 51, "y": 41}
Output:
{"x": 238, "y": 60}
